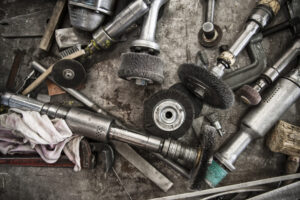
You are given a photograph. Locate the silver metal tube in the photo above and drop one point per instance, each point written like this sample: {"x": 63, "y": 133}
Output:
{"x": 21, "y": 102}
{"x": 274, "y": 72}
{"x": 289, "y": 192}
{"x": 104, "y": 37}
{"x": 147, "y": 38}
{"x": 216, "y": 190}
{"x": 210, "y": 11}
{"x": 262, "y": 118}
{"x": 229, "y": 153}
{"x": 146, "y": 142}
{"x": 150, "y": 22}
{"x": 126, "y": 18}
{"x": 242, "y": 41}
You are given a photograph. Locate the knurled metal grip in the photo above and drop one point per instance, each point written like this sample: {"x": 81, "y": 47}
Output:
{"x": 273, "y": 4}
{"x": 174, "y": 150}
{"x": 228, "y": 58}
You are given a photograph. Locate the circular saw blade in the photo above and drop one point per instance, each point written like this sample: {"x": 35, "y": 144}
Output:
{"x": 68, "y": 73}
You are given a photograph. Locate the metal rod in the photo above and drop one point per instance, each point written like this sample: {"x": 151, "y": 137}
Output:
{"x": 210, "y": 11}
{"x": 230, "y": 187}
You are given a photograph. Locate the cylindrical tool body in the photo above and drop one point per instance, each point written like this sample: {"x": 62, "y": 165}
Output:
{"x": 147, "y": 38}
{"x": 88, "y": 124}
{"x": 21, "y": 102}
{"x": 272, "y": 73}
{"x": 146, "y": 142}
{"x": 127, "y": 17}
{"x": 262, "y": 118}
{"x": 104, "y": 37}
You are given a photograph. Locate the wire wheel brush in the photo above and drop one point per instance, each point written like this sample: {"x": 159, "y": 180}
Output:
{"x": 198, "y": 104}
{"x": 141, "y": 67}
{"x": 168, "y": 113}
{"x": 206, "y": 86}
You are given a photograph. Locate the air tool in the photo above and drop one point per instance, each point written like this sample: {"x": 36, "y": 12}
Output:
{"x": 88, "y": 15}
{"x": 170, "y": 113}
{"x": 142, "y": 64}
{"x": 208, "y": 84}
{"x": 104, "y": 37}
{"x": 100, "y": 128}
{"x": 255, "y": 125}
{"x": 252, "y": 94}
{"x": 210, "y": 34}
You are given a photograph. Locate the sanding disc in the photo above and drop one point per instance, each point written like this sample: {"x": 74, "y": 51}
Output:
{"x": 68, "y": 73}
{"x": 214, "y": 91}
{"x": 168, "y": 114}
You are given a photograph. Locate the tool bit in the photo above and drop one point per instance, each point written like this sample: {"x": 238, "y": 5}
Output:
{"x": 256, "y": 124}
{"x": 213, "y": 119}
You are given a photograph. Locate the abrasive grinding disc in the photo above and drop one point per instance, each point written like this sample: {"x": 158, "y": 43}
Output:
{"x": 168, "y": 113}
{"x": 68, "y": 73}
{"x": 249, "y": 95}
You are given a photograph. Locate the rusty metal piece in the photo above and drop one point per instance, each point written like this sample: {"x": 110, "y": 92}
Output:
{"x": 34, "y": 161}
{"x": 11, "y": 81}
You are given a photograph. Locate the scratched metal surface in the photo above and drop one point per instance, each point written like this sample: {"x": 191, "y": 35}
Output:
{"x": 177, "y": 34}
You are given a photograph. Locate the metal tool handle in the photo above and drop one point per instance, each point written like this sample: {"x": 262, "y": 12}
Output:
{"x": 150, "y": 22}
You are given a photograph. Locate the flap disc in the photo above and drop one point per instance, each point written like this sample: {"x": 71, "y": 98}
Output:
{"x": 68, "y": 73}
{"x": 206, "y": 86}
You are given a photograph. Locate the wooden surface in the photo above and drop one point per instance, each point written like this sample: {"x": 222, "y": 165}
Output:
{"x": 53, "y": 23}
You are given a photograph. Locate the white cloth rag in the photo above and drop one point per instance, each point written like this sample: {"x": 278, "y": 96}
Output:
{"x": 28, "y": 131}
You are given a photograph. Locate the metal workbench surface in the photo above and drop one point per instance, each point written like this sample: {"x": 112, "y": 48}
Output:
{"x": 177, "y": 35}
